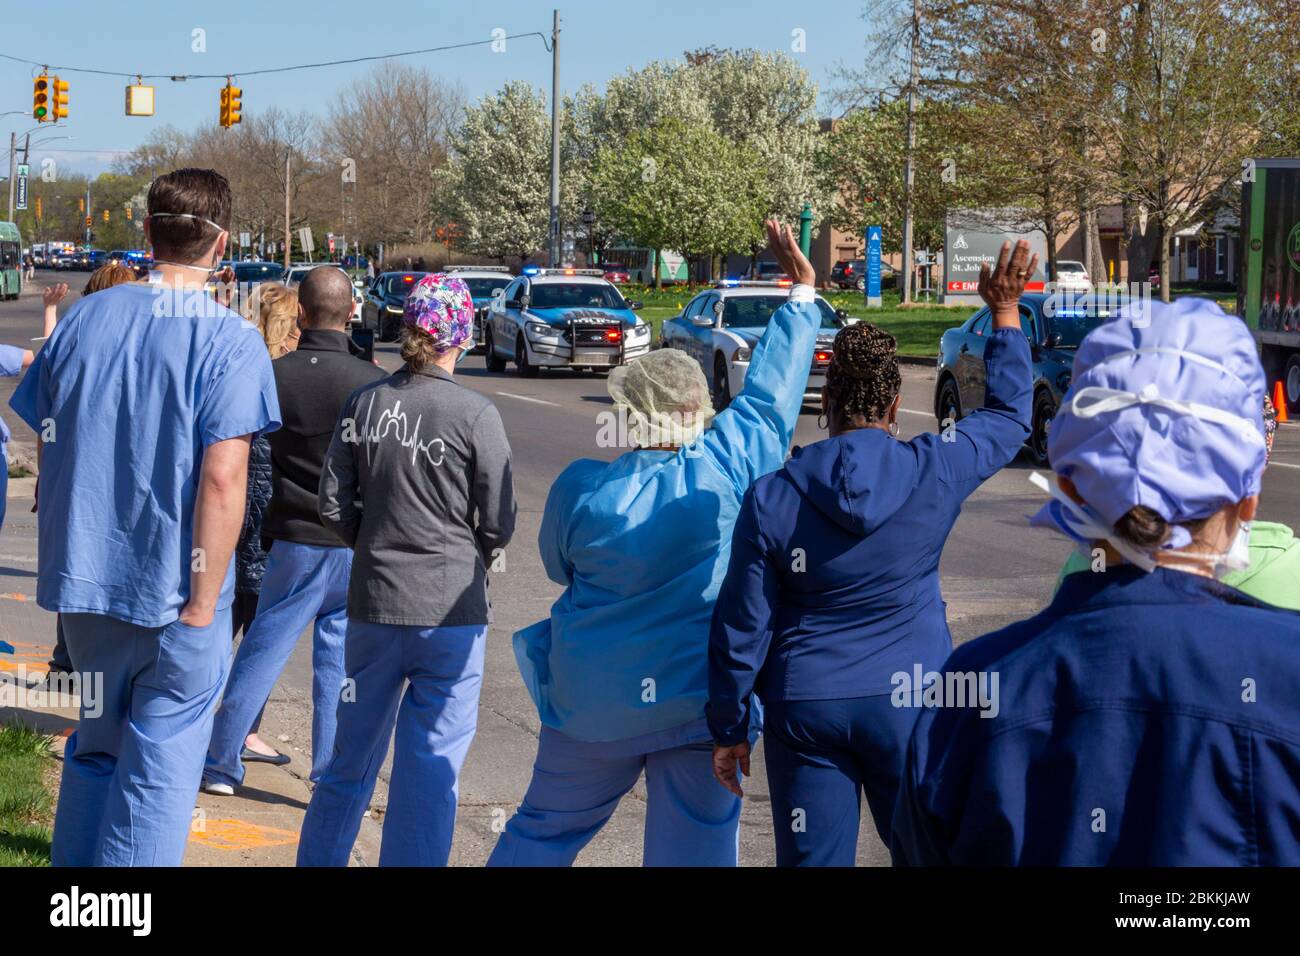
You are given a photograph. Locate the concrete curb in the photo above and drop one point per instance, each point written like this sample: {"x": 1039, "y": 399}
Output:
{"x": 258, "y": 826}
{"x": 921, "y": 360}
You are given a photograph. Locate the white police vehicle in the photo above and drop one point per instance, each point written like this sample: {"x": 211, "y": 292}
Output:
{"x": 721, "y": 326}
{"x": 485, "y": 283}
{"x": 562, "y": 318}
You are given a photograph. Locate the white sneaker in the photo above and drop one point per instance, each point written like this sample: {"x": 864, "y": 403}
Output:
{"x": 220, "y": 789}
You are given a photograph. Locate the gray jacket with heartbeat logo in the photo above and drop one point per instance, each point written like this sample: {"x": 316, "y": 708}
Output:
{"x": 417, "y": 481}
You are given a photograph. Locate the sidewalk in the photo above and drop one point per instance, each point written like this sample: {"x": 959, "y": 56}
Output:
{"x": 259, "y": 826}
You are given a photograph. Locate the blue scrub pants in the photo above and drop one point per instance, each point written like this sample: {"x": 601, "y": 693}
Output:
{"x": 302, "y": 584}
{"x": 131, "y": 774}
{"x": 435, "y": 719}
{"x": 690, "y": 819}
{"x": 821, "y": 755}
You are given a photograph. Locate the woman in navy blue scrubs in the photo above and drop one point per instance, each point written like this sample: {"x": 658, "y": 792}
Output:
{"x": 833, "y": 587}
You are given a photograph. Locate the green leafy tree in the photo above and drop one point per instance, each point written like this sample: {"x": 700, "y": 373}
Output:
{"x": 679, "y": 185}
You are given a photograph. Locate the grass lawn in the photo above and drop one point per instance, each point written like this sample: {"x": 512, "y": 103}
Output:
{"x": 917, "y": 328}
{"x": 28, "y": 775}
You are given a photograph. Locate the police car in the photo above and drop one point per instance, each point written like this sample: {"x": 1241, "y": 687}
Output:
{"x": 484, "y": 282}
{"x": 562, "y": 318}
{"x": 721, "y": 326}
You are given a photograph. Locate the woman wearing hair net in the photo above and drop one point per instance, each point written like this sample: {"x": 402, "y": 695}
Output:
{"x": 1151, "y": 714}
{"x": 619, "y": 670}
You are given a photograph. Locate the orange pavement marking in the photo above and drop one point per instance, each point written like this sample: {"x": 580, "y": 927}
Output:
{"x": 32, "y": 656}
{"x": 16, "y": 596}
{"x": 241, "y": 835}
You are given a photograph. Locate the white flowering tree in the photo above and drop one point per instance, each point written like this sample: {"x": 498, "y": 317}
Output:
{"x": 495, "y": 191}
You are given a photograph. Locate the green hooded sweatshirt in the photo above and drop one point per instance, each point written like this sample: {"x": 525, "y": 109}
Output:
{"x": 1273, "y": 575}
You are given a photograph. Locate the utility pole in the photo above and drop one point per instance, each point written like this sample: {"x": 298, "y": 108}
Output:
{"x": 88, "y": 212}
{"x": 909, "y": 166}
{"x": 288, "y": 243}
{"x": 554, "y": 254}
{"x": 13, "y": 156}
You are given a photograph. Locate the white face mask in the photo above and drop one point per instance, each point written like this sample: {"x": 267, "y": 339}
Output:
{"x": 1223, "y": 563}
{"x": 1084, "y": 526}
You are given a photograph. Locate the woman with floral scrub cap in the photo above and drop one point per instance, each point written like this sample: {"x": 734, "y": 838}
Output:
{"x": 417, "y": 482}
{"x": 1150, "y": 716}
{"x": 619, "y": 671}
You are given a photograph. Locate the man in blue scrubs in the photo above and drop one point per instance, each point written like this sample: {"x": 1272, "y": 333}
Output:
{"x": 145, "y": 399}
{"x": 1150, "y": 716}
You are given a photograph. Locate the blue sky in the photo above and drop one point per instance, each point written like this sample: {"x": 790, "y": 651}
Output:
{"x": 599, "y": 39}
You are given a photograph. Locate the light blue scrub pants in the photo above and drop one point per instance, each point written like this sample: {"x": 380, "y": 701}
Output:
{"x": 302, "y": 583}
{"x": 131, "y": 774}
{"x": 690, "y": 819}
{"x": 435, "y": 718}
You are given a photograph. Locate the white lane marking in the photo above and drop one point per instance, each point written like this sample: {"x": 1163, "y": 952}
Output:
{"x": 913, "y": 411}
{"x": 1282, "y": 464}
{"x": 525, "y": 398}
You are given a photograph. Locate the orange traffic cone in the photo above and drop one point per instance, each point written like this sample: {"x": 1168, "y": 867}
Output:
{"x": 1279, "y": 402}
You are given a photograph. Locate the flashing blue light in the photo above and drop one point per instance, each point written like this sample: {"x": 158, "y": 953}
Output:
{"x": 728, "y": 282}
{"x": 530, "y": 270}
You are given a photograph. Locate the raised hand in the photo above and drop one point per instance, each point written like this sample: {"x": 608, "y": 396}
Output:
{"x": 1002, "y": 287}
{"x": 54, "y": 294}
{"x": 224, "y": 292}
{"x": 788, "y": 254}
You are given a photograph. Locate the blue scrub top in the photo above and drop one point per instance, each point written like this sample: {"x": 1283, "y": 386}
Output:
{"x": 11, "y": 364}
{"x": 127, "y": 392}
{"x": 1142, "y": 720}
{"x": 641, "y": 545}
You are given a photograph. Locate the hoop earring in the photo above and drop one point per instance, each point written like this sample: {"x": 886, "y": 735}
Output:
{"x": 893, "y": 429}
{"x": 821, "y": 420}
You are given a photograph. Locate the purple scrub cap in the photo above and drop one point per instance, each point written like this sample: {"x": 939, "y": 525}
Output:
{"x": 1164, "y": 410}
{"x": 441, "y": 305}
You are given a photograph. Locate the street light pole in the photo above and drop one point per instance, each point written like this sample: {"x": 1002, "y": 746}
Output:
{"x": 13, "y": 156}
{"x": 909, "y": 170}
{"x": 554, "y": 252}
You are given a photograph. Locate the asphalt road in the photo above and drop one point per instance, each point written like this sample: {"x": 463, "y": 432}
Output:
{"x": 995, "y": 570}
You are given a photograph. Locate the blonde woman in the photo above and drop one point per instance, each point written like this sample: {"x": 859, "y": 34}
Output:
{"x": 273, "y": 308}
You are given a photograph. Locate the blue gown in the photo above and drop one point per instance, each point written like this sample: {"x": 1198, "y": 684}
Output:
{"x": 641, "y": 545}
{"x": 619, "y": 669}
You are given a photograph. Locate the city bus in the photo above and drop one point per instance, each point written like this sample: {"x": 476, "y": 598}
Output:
{"x": 11, "y": 261}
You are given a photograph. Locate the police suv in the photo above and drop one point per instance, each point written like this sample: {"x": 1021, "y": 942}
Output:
{"x": 562, "y": 318}
{"x": 721, "y": 326}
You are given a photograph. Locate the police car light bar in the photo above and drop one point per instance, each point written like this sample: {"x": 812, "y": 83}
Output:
{"x": 756, "y": 283}
{"x": 467, "y": 268}
{"x": 570, "y": 272}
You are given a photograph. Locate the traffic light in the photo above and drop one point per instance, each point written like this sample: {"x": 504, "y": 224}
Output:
{"x": 41, "y": 99}
{"x": 81, "y": 205}
{"x": 230, "y": 105}
{"x": 58, "y": 99}
{"x": 105, "y": 215}
{"x": 38, "y": 207}
{"x": 87, "y": 222}
{"x": 128, "y": 213}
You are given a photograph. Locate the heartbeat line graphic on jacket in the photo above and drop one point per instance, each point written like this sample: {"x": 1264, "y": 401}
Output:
{"x": 392, "y": 423}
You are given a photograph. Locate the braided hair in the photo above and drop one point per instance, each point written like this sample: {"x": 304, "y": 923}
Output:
{"x": 863, "y": 378}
